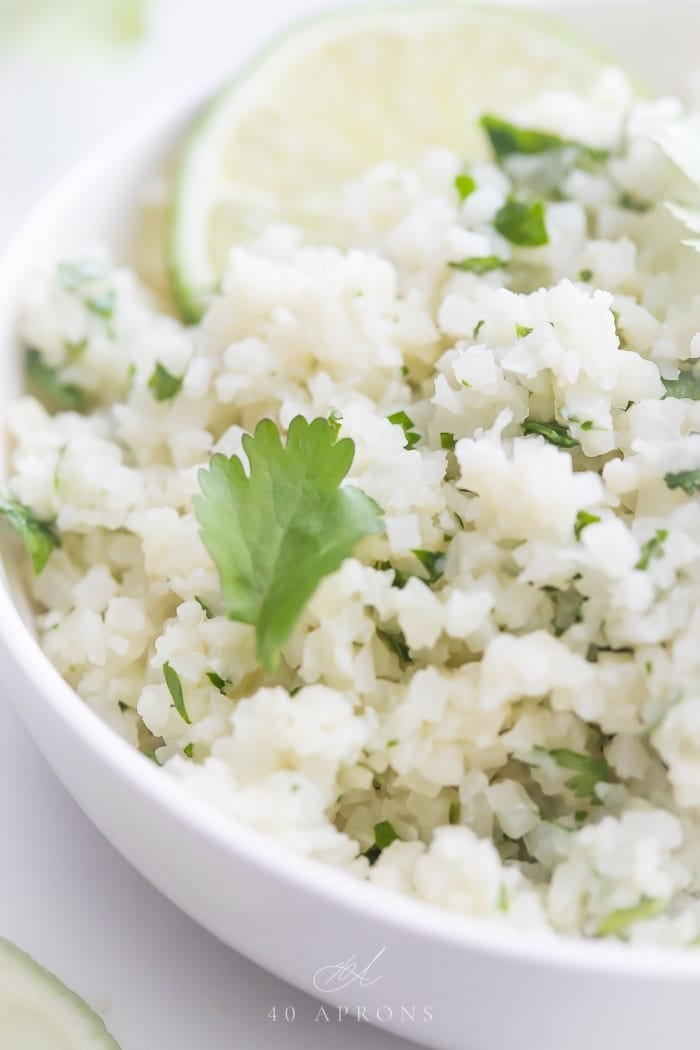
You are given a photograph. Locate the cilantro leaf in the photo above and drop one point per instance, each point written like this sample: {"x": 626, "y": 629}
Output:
{"x": 395, "y": 643}
{"x": 275, "y": 534}
{"x": 163, "y": 384}
{"x": 688, "y": 480}
{"x": 686, "y": 385}
{"x": 522, "y": 223}
{"x": 507, "y": 138}
{"x": 447, "y": 440}
{"x": 172, "y": 680}
{"x": 522, "y": 330}
{"x": 384, "y": 834}
{"x": 588, "y": 771}
{"x": 465, "y": 185}
{"x": 629, "y": 202}
{"x": 217, "y": 681}
{"x": 586, "y": 275}
{"x": 48, "y": 385}
{"x": 39, "y": 537}
{"x": 651, "y": 548}
{"x": 555, "y": 433}
{"x": 433, "y": 562}
{"x": 403, "y": 420}
{"x": 583, "y": 519}
{"x": 479, "y": 264}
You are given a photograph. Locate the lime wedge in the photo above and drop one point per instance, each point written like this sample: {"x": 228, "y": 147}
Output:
{"x": 38, "y": 1012}
{"x": 338, "y": 94}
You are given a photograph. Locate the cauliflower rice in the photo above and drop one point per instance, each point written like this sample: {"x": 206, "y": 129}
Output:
{"x": 512, "y": 729}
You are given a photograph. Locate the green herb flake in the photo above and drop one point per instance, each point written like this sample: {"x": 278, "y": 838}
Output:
{"x": 583, "y": 519}
{"x": 629, "y": 202}
{"x": 589, "y": 772}
{"x": 455, "y": 811}
{"x": 403, "y": 420}
{"x": 48, "y": 385}
{"x": 122, "y": 706}
{"x": 384, "y": 834}
{"x": 39, "y": 537}
{"x": 507, "y": 138}
{"x": 618, "y": 922}
{"x": 447, "y": 440}
{"x": 503, "y": 901}
{"x": 585, "y": 275}
{"x": 521, "y": 330}
{"x": 652, "y": 548}
{"x": 522, "y": 223}
{"x": 433, "y": 562}
{"x": 217, "y": 681}
{"x": 465, "y": 186}
{"x": 477, "y": 328}
{"x": 206, "y": 609}
{"x": 392, "y": 743}
{"x": 74, "y": 351}
{"x": 688, "y": 480}
{"x": 163, "y": 384}
{"x": 188, "y": 750}
{"x": 555, "y": 433}
{"x": 687, "y": 385}
{"x": 479, "y": 264}
{"x": 172, "y": 680}
{"x": 276, "y": 533}
{"x": 648, "y": 667}
{"x": 395, "y": 643}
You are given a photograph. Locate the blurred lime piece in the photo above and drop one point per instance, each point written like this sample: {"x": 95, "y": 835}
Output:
{"x": 339, "y": 94}
{"x": 61, "y": 26}
{"x": 38, "y": 1012}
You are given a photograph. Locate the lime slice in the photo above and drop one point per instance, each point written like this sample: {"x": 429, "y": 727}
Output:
{"x": 38, "y": 1012}
{"x": 336, "y": 95}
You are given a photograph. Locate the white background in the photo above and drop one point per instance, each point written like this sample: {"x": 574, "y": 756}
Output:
{"x": 65, "y": 896}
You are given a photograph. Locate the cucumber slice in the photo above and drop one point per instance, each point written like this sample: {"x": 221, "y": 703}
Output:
{"x": 338, "y": 94}
{"x": 38, "y": 1012}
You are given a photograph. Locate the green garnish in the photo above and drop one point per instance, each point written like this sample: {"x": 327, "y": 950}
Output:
{"x": 477, "y": 328}
{"x": 686, "y": 385}
{"x": 433, "y": 562}
{"x": 455, "y": 811}
{"x": 163, "y": 384}
{"x": 74, "y": 351}
{"x": 403, "y": 420}
{"x": 447, "y": 440}
{"x": 651, "y": 548}
{"x": 688, "y": 480}
{"x": 48, "y": 384}
{"x": 522, "y": 223}
{"x": 521, "y": 330}
{"x": 618, "y": 922}
{"x": 628, "y": 201}
{"x": 589, "y": 425}
{"x": 217, "y": 681}
{"x": 503, "y": 902}
{"x": 586, "y": 275}
{"x": 189, "y": 750}
{"x": 275, "y": 534}
{"x": 172, "y": 680}
{"x": 479, "y": 264}
{"x": 507, "y": 138}
{"x": 583, "y": 520}
{"x": 206, "y": 609}
{"x": 465, "y": 186}
{"x": 384, "y": 834}
{"x": 555, "y": 433}
{"x": 589, "y": 772}
{"x": 395, "y": 643}
{"x": 39, "y": 537}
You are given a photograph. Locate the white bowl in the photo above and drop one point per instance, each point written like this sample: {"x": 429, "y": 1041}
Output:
{"x": 434, "y": 977}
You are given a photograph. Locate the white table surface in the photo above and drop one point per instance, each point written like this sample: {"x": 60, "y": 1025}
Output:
{"x": 160, "y": 981}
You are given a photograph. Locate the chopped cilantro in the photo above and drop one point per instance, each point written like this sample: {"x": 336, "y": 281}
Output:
{"x": 522, "y": 223}
{"x": 503, "y": 902}
{"x": 217, "y": 681}
{"x": 447, "y": 440}
{"x": 555, "y": 433}
{"x": 122, "y": 706}
{"x": 477, "y": 328}
{"x": 395, "y": 643}
{"x": 74, "y": 351}
{"x": 384, "y": 834}
{"x": 276, "y": 533}
{"x": 48, "y": 384}
{"x": 688, "y": 480}
{"x": 479, "y": 264}
{"x": 648, "y": 667}
{"x": 433, "y": 562}
{"x": 39, "y": 537}
{"x": 206, "y": 609}
{"x": 403, "y": 420}
{"x": 465, "y": 186}
{"x": 589, "y": 772}
{"x": 628, "y": 201}
{"x": 521, "y": 330}
{"x": 618, "y": 922}
{"x": 401, "y": 578}
{"x": 583, "y": 519}
{"x": 163, "y": 384}
{"x": 586, "y": 275}
{"x": 651, "y": 548}
{"x": 567, "y": 606}
{"x": 507, "y": 138}
{"x": 172, "y": 680}
{"x": 588, "y": 425}
{"x": 686, "y": 385}
{"x": 189, "y": 750}
{"x": 455, "y": 811}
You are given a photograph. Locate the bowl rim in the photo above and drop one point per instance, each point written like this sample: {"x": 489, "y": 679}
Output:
{"x": 331, "y": 886}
